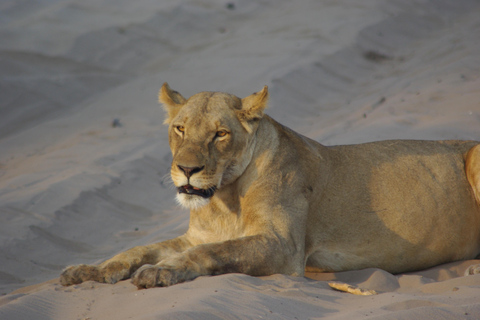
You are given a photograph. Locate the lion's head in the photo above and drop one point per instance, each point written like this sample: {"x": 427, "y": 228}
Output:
{"x": 212, "y": 136}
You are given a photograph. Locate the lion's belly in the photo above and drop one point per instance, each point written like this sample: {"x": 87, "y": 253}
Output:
{"x": 406, "y": 248}
{"x": 396, "y": 257}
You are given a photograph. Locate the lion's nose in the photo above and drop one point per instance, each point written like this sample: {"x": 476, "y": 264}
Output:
{"x": 190, "y": 171}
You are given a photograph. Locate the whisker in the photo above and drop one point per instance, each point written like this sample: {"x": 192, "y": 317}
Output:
{"x": 166, "y": 181}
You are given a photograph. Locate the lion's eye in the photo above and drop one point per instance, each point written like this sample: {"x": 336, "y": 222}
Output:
{"x": 221, "y": 133}
{"x": 180, "y": 129}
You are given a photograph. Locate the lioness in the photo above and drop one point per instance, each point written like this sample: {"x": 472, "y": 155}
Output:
{"x": 264, "y": 199}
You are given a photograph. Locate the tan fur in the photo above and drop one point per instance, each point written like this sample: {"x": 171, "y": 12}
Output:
{"x": 284, "y": 202}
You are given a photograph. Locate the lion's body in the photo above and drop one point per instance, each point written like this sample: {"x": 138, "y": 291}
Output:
{"x": 266, "y": 200}
{"x": 395, "y": 205}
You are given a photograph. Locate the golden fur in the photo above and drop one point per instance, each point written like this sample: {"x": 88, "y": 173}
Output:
{"x": 267, "y": 200}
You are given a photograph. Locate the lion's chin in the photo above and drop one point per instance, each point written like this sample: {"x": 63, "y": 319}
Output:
{"x": 191, "y": 201}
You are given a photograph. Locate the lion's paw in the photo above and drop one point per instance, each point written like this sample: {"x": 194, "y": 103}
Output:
{"x": 115, "y": 271}
{"x": 149, "y": 276}
{"x": 473, "y": 269}
{"x": 108, "y": 273}
{"x": 80, "y": 273}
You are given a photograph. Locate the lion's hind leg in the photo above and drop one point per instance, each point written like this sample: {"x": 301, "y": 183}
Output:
{"x": 473, "y": 269}
{"x": 472, "y": 170}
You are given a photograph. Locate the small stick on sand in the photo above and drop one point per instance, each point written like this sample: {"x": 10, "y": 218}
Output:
{"x": 351, "y": 289}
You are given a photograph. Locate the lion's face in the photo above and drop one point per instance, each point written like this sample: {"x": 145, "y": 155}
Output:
{"x": 208, "y": 144}
{"x": 211, "y": 136}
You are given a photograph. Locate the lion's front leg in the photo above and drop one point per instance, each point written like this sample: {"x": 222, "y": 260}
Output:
{"x": 255, "y": 255}
{"x": 123, "y": 265}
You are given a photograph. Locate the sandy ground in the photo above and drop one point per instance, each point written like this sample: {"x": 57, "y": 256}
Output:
{"x": 76, "y": 189}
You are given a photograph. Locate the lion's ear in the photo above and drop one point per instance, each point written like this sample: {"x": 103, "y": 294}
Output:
{"x": 172, "y": 101}
{"x": 252, "y": 107}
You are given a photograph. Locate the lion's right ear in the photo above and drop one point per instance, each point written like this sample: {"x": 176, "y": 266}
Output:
{"x": 172, "y": 101}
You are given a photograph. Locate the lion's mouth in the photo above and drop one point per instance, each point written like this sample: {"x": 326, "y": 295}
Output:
{"x": 189, "y": 189}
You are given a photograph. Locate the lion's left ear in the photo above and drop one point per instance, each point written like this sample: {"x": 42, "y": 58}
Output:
{"x": 253, "y": 107}
{"x": 172, "y": 101}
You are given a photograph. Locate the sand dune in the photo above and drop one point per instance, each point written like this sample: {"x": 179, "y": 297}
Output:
{"x": 74, "y": 188}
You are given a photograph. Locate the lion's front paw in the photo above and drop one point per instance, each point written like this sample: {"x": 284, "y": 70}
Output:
{"x": 115, "y": 271}
{"x": 149, "y": 276}
{"x": 473, "y": 269}
{"x": 111, "y": 272}
{"x": 80, "y": 273}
